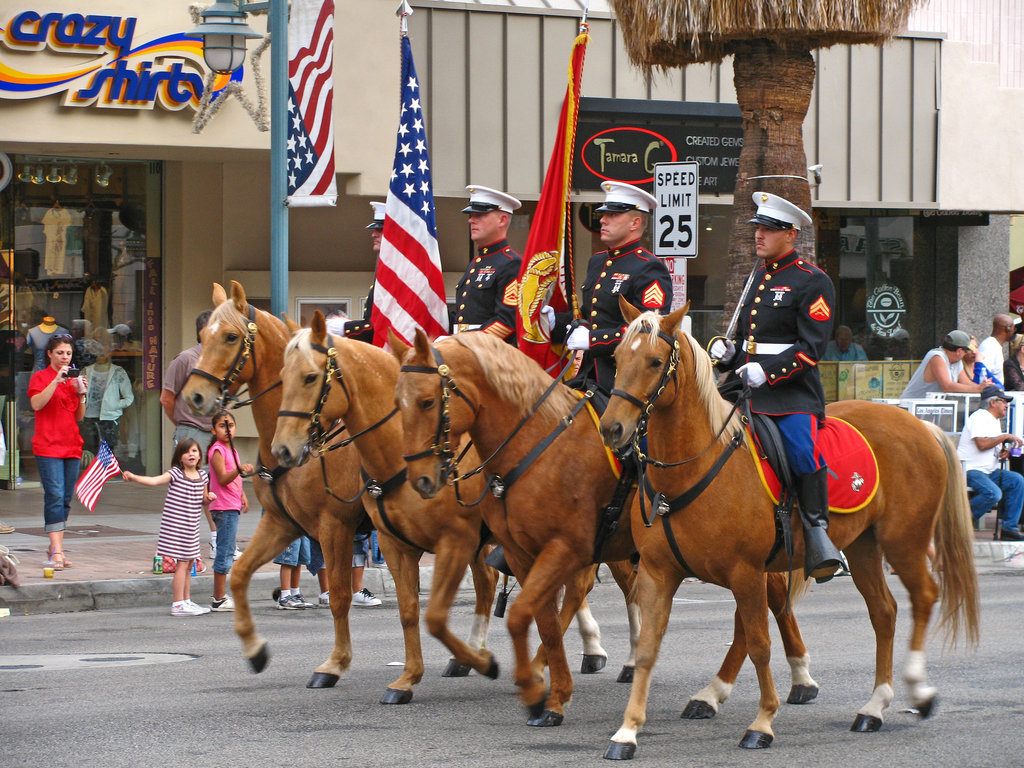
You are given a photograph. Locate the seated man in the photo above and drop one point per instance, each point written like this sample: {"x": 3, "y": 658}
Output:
{"x": 980, "y": 450}
{"x": 843, "y": 347}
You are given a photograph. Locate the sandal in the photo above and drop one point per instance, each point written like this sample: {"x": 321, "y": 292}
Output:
{"x": 59, "y": 562}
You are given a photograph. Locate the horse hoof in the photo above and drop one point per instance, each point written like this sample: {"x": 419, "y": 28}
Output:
{"x": 322, "y": 680}
{"x": 259, "y": 661}
{"x": 756, "y": 740}
{"x": 592, "y": 663}
{"x": 492, "y": 669}
{"x": 620, "y": 750}
{"x": 866, "y": 724}
{"x": 926, "y": 708}
{"x": 454, "y": 669}
{"x": 535, "y": 710}
{"x": 547, "y": 719}
{"x": 698, "y": 710}
{"x": 396, "y": 696}
{"x": 625, "y": 676}
{"x": 801, "y": 694}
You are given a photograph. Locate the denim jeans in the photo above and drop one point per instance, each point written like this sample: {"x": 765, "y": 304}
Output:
{"x": 990, "y": 487}
{"x": 226, "y": 521}
{"x": 58, "y": 477}
{"x": 316, "y": 557}
{"x": 296, "y": 553}
{"x": 201, "y": 436}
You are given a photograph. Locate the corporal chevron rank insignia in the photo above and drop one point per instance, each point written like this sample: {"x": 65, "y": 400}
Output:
{"x": 654, "y": 297}
{"x": 511, "y": 297}
{"x": 820, "y": 310}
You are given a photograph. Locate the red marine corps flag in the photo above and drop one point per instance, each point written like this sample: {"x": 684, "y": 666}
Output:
{"x": 409, "y": 288}
{"x": 546, "y": 275}
{"x": 311, "y": 104}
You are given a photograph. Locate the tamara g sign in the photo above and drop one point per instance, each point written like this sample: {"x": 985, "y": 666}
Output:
{"x": 123, "y": 72}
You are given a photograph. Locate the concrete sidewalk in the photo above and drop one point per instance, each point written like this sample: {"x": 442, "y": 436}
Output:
{"x": 113, "y": 550}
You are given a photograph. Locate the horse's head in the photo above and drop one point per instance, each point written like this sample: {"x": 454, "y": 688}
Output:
{"x": 435, "y": 410}
{"x": 227, "y": 352}
{"x": 645, "y": 361}
{"x": 313, "y": 393}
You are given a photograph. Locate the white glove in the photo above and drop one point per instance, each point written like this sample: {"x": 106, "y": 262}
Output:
{"x": 548, "y": 313}
{"x": 722, "y": 350}
{"x": 754, "y": 374}
{"x": 579, "y": 338}
{"x": 335, "y": 326}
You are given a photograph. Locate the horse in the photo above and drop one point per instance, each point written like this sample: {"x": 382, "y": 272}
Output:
{"x": 548, "y": 523}
{"x": 727, "y": 532}
{"x": 326, "y": 379}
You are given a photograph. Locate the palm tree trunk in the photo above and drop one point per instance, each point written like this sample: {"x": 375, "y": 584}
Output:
{"x": 773, "y": 88}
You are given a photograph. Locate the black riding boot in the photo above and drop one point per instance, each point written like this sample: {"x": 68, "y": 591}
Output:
{"x": 496, "y": 559}
{"x": 821, "y": 558}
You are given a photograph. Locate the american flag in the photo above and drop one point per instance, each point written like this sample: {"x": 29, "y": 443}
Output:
{"x": 103, "y": 467}
{"x": 409, "y": 289}
{"x": 310, "y": 104}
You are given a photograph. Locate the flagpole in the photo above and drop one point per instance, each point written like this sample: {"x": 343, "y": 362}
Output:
{"x": 278, "y": 22}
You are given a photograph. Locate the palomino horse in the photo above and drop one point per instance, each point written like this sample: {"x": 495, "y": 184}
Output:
{"x": 326, "y": 379}
{"x": 548, "y": 523}
{"x": 727, "y": 534}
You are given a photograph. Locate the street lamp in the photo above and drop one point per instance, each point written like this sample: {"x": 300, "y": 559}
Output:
{"x": 224, "y": 32}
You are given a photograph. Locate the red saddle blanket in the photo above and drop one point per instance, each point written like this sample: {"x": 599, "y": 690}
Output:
{"x": 852, "y": 467}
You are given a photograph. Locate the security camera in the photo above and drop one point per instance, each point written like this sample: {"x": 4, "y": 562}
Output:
{"x": 815, "y": 171}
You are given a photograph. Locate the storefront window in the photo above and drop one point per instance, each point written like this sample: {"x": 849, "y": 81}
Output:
{"x": 78, "y": 250}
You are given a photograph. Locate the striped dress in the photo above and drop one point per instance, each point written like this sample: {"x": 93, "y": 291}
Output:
{"x": 183, "y": 507}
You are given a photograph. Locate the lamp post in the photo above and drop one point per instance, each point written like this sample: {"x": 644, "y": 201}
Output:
{"x": 224, "y": 32}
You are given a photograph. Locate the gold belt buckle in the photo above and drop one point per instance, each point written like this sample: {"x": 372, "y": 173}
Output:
{"x": 752, "y": 347}
{"x": 461, "y": 328}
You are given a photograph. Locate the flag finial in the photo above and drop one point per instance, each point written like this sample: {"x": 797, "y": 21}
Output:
{"x": 403, "y": 12}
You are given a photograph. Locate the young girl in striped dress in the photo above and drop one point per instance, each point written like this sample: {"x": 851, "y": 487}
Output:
{"x": 179, "y": 527}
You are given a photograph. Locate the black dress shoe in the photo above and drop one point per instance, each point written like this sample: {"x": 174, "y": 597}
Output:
{"x": 1008, "y": 535}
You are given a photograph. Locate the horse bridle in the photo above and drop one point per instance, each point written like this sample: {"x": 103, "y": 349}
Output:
{"x": 241, "y": 358}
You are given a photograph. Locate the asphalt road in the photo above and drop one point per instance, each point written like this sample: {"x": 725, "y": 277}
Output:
{"x": 205, "y": 708}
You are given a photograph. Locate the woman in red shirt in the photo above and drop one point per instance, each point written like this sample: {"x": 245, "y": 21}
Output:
{"x": 59, "y": 403}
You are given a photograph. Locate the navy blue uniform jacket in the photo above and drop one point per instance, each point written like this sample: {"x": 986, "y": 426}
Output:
{"x": 488, "y": 294}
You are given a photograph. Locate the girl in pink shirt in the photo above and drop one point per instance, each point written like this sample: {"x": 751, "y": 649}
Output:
{"x": 226, "y": 482}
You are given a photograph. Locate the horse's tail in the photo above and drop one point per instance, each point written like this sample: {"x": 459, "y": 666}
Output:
{"x": 954, "y": 540}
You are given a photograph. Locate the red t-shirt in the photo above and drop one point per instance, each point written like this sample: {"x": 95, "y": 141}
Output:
{"x": 56, "y": 435}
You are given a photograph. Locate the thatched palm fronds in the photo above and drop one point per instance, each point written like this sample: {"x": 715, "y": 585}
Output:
{"x": 674, "y": 33}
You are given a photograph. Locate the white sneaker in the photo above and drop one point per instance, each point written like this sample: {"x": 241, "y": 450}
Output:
{"x": 224, "y": 604}
{"x": 300, "y": 602}
{"x": 201, "y": 608}
{"x": 188, "y": 608}
{"x": 238, "y": 553}
{"x": 364, "y": 599}
{"x": 324, "y": 601}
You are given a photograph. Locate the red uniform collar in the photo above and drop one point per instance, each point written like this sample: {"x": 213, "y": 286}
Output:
{"x": 631, "y": 247}
{"x": 500, "y": 245}
{"x": 772, "y": 266}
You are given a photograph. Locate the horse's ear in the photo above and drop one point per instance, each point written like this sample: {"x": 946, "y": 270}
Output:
{"x": 398, "y": 347}
{"x": 422, "y": 344}
{"x": 219, "y": 296}
{"x": 629, "y": 312}
{"x": 319, "y": 328}
{"x": 290, "y": 324}
{"x": 670, "y": 323}
{"x": 238, "y": 297}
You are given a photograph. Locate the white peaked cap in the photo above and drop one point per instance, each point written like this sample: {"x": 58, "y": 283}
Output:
{"x": 778, "y": 213}
{"x": 484, "y": 199}
{"x": 620, "y": 197}
{"x": 378, "y": 216}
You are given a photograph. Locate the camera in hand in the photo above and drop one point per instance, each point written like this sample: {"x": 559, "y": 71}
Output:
{"x": 72, "y": 372}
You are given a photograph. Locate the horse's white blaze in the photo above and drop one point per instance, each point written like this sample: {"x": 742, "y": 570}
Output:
{"x": 914, "y": 676}
{"x": 404, "y": 402}
{"x": 590, "y": 632}
{"x": 635, "y": 345}
{"x": 478, "y": 634}
{"x": 633, "y": 612}
{"x": 800, "y": 667}
{"x": 880, "y": 700}
{"x": 715, "y": 693}
{"x": 625, "y": 736}
{"x": 215, "y": 326}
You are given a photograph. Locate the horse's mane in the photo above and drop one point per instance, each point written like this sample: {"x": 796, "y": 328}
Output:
{"x": 516, "y": 378}
{"x": 716, "y": 407}
{"x": 370, "y": 357}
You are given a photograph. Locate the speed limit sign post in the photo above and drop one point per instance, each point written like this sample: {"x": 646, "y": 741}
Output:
{"x": 675, "y": 223}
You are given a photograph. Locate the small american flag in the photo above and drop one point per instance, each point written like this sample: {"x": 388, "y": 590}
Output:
{"x": 103, "y": 467}
{"x": 310, "y": 104}
{"x": 409, "y": 290}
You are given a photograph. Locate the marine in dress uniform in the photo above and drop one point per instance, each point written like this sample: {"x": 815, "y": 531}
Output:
{"x": 361, "y": 330}
{"x": 487, "y": 296}
{"x": 625, "y": 269}
{"x": 784, "y": 325}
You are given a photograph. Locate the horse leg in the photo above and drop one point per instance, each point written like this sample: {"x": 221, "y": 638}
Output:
{"x": 272, "y": 535}
{"x": 574, "y": 603}
{"x": 625, "y": 576}
{"x": 803, "y": 689}
{"x": 404, "y": 564}
{"x": 449, "y": 568}
{"x": 750, "y": 591}
{"x": 703, "y": 705}
{"x": 655, "y": 602}
{"x": 865, "y": 558}
{"x": 335, "y": 535}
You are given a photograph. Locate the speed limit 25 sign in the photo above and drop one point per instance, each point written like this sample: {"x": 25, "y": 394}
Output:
{"x": 675, "y": 224}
